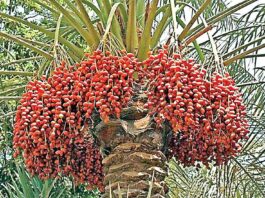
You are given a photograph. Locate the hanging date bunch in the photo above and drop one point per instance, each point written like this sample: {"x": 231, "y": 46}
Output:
{"x": 55, "y": 116}
{"x": 207, "y": 115}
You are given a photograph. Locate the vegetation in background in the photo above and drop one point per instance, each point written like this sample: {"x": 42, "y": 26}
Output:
{"x": 242, "y": 177}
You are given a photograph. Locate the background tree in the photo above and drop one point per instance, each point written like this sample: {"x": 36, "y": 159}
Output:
{"x": 112, "y": 23}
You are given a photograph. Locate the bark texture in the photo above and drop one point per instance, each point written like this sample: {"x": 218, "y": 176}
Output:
{"x": 134, "y": 164}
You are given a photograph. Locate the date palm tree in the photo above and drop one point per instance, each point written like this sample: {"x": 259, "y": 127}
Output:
{"x": 133, "y": 148}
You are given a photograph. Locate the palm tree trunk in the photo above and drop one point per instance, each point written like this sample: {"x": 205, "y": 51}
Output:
{"x": 134, "y": 164}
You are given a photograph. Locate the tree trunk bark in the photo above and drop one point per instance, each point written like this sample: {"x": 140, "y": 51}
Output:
{"x": 134, "y": 165}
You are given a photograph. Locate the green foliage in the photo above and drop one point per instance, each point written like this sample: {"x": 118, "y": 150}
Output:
{"x": 37, "y": 25}
{"x": 23, "y": 185}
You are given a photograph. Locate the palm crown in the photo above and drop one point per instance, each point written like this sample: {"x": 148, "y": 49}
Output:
{"x": 79, "y": 26}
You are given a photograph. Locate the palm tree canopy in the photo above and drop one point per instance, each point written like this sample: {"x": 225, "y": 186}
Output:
{"x": 211, "y": 32}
